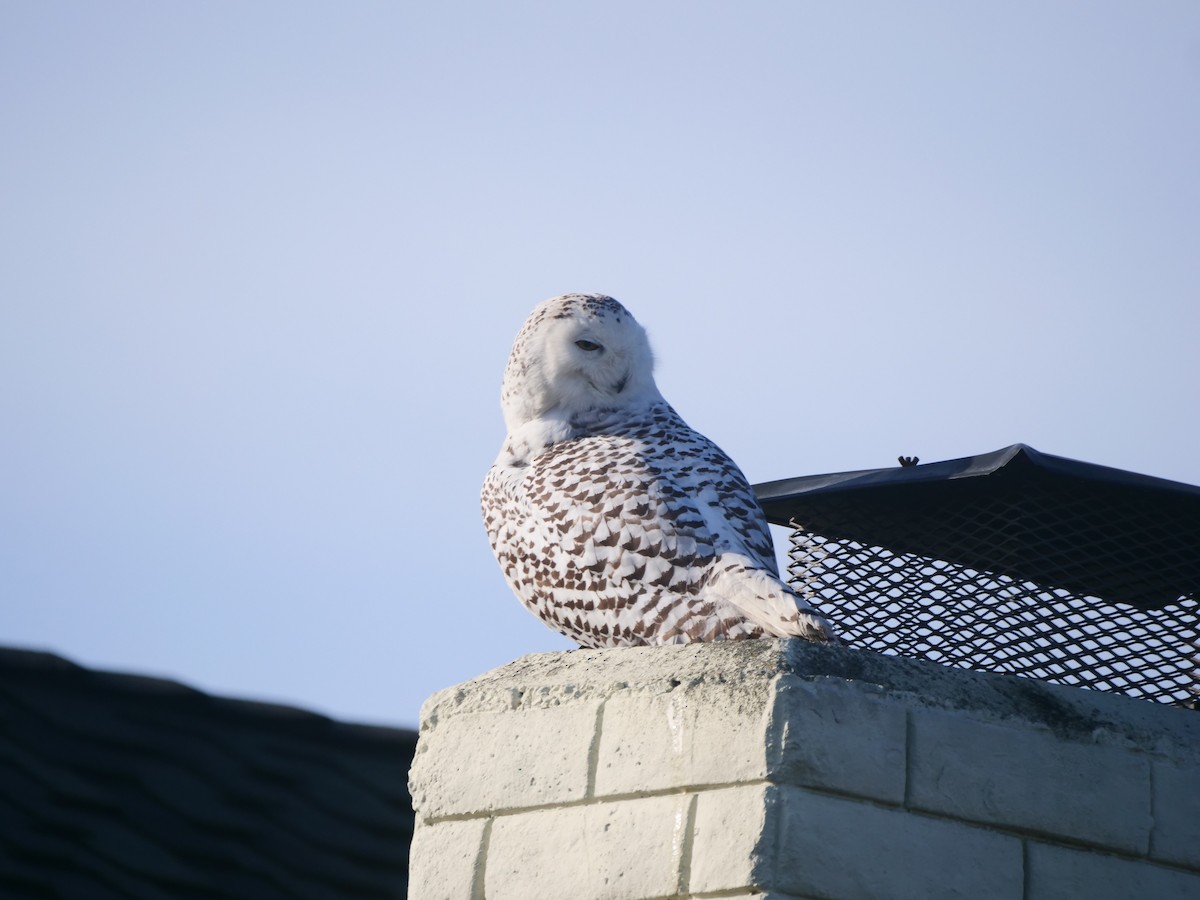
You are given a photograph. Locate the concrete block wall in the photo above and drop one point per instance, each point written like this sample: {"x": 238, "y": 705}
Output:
{"x": 780, "y": 769}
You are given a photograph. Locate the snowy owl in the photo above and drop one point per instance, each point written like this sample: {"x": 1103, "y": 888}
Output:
{"x": 614, "y": 522}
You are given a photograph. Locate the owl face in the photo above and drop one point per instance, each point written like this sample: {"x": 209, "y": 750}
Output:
{"x": 577, "y": 353}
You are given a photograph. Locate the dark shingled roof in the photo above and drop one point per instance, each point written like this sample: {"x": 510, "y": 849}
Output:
{"x": 122, "y": 786}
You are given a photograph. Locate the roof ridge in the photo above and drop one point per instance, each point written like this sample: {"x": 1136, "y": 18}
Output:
{"x": 51, "y": 667}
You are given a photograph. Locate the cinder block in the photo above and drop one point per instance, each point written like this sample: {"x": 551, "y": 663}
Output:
{"x": 802, "y": 843}
{"x": 838, "y": 736}
{"x": 834, "y": 847}
{"x": 730, "y": 838}
{"x": 445, "y": 860}
{"x": 831, "y": 735}
{"x": 1176, "y": 837}
{"x": 1029, "y": 778}
{"x": 483, "y": 762}
{"x": 1057, "y": 872}
{"x": 705, "y": 735}
{"x": 623, "y": 850}
{"x": 794, "y": 758}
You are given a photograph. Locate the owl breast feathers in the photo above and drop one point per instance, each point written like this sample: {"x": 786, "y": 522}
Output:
{"x": 613, "y": 521}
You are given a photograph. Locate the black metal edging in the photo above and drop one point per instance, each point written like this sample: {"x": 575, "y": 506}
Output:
{"x": 774, "y": 494}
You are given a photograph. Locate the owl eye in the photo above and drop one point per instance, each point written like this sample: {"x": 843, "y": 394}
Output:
{"x": 588, "y": 346}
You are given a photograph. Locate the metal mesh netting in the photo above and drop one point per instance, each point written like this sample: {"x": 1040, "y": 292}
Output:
{"x": 904, "y": 603}
{"x": 1014, "y": 561}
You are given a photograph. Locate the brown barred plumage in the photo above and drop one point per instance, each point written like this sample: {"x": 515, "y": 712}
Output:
{"x": 612, "y": 520}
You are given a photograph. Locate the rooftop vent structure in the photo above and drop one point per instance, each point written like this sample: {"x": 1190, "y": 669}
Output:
{"x": 1015, "y": 561}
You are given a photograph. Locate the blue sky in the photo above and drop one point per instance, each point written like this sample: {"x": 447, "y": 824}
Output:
{"x": 261, "y": 265}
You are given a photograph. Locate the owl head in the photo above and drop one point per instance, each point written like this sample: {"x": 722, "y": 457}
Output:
{"x": 575, "y": 354}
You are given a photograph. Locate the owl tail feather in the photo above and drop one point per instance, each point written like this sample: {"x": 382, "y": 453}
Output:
{"x": 769, "y": 603}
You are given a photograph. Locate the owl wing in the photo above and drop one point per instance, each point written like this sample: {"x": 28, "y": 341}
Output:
{"x": 744, "y": 575}
{"x": 599, "y": 544}
{"x": 650, "y": 535}
{"x": 701, "y": 472}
